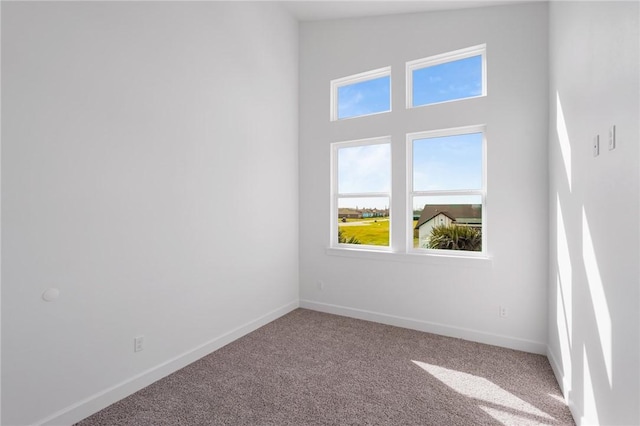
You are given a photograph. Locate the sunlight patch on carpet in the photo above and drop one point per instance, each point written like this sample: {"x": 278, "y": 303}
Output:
{"x": 486, "y": 391}
{"x": 558, "y": 398}
{"x": 508, "y": 418}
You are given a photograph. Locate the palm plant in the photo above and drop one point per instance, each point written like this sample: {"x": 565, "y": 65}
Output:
{"x": 346, "y": 240}
{"x": 455, "y": 237}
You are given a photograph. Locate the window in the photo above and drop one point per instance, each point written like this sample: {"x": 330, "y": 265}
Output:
{"x": 447, "y": 77}
{"x": 446, "y": 182}
{"x": 361, "y": 186}
{"x": 361, "y": 94}
{"x": 443, "y": 198}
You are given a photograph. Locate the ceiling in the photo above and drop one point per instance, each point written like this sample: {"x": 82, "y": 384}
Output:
{"x": 332, "y": 9}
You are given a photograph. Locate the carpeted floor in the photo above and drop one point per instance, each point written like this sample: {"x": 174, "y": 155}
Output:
{"x": 311, "y": 368}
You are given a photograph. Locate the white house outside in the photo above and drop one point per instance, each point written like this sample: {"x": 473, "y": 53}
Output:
{"x": 445, "y": 215}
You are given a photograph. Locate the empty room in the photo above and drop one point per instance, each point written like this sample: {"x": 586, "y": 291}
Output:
{"x": 324, "y": 212}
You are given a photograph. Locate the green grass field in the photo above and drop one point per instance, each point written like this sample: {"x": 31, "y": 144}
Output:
{"x": 374, "y": 231}
{"x": 370, "y": 231}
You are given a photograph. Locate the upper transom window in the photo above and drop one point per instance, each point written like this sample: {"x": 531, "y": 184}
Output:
{"x": 447, "y": 77}
{"x": 361, "y": 94}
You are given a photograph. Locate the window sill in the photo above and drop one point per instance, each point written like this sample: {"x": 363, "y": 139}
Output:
{"x": 484, "y": 261}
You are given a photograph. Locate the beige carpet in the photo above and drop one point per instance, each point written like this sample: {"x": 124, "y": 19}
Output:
{"x": 310, "y": 368}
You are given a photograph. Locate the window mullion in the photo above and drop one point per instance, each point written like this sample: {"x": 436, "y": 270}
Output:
{"x": 455, "y": 192}
{"x": 364, "y": 194}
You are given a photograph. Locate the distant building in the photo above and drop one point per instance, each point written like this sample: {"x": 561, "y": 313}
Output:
{"x": 446, "y": 214}
{"x": 351, "y": 213}
{"x": 375, "y": 213}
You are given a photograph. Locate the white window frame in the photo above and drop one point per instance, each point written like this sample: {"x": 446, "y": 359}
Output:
{"x": 443, "y": 58}
{"x": 335, "y": 195}
{"x": 411, "y": 193}
{"x": 353, "y": 79}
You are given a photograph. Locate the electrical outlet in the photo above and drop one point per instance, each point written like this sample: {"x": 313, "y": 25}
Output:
{"x": 503, "y": 312}
{"x": 138, "y": 343}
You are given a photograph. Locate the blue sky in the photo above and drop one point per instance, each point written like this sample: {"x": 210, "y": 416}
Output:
{"x": 442, "y": 163}
{"x": 438, "y": 83}
{"x": 448, "y": 163}
{"x": 365, "y": 168}
{"x": 367, "y": 97}
{"x": 451, "y": 80}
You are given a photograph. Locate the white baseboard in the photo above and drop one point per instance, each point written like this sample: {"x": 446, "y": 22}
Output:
{"x": 103, "y": 399}
{"x": 430, "y": 327}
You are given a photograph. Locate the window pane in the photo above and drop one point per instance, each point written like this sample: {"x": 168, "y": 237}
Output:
{"x": 363, "y": 220}
{"x": 448, "y": 222}
{"x": 365, "y": 168}
{"x": 449, "y": 81}
{"x": 366, "y": 97}
{"x": 448, "y": 163}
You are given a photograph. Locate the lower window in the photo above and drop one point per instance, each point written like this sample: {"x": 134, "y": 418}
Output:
{"x": 446, "y": 193}
{"x": 447, "y": 190}
{"x": 361, "y": 185}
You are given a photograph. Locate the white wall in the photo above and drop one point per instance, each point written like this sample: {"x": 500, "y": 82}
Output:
{"x": 594, "y": 335}
{"x": 456, "y": 297}
{"x": 149, "y": 172}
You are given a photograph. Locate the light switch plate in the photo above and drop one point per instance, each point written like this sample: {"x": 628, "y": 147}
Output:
{"x": 612, "y": 138}
{"x": 138, "y": 343}
{"x": 596, "y": 146}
